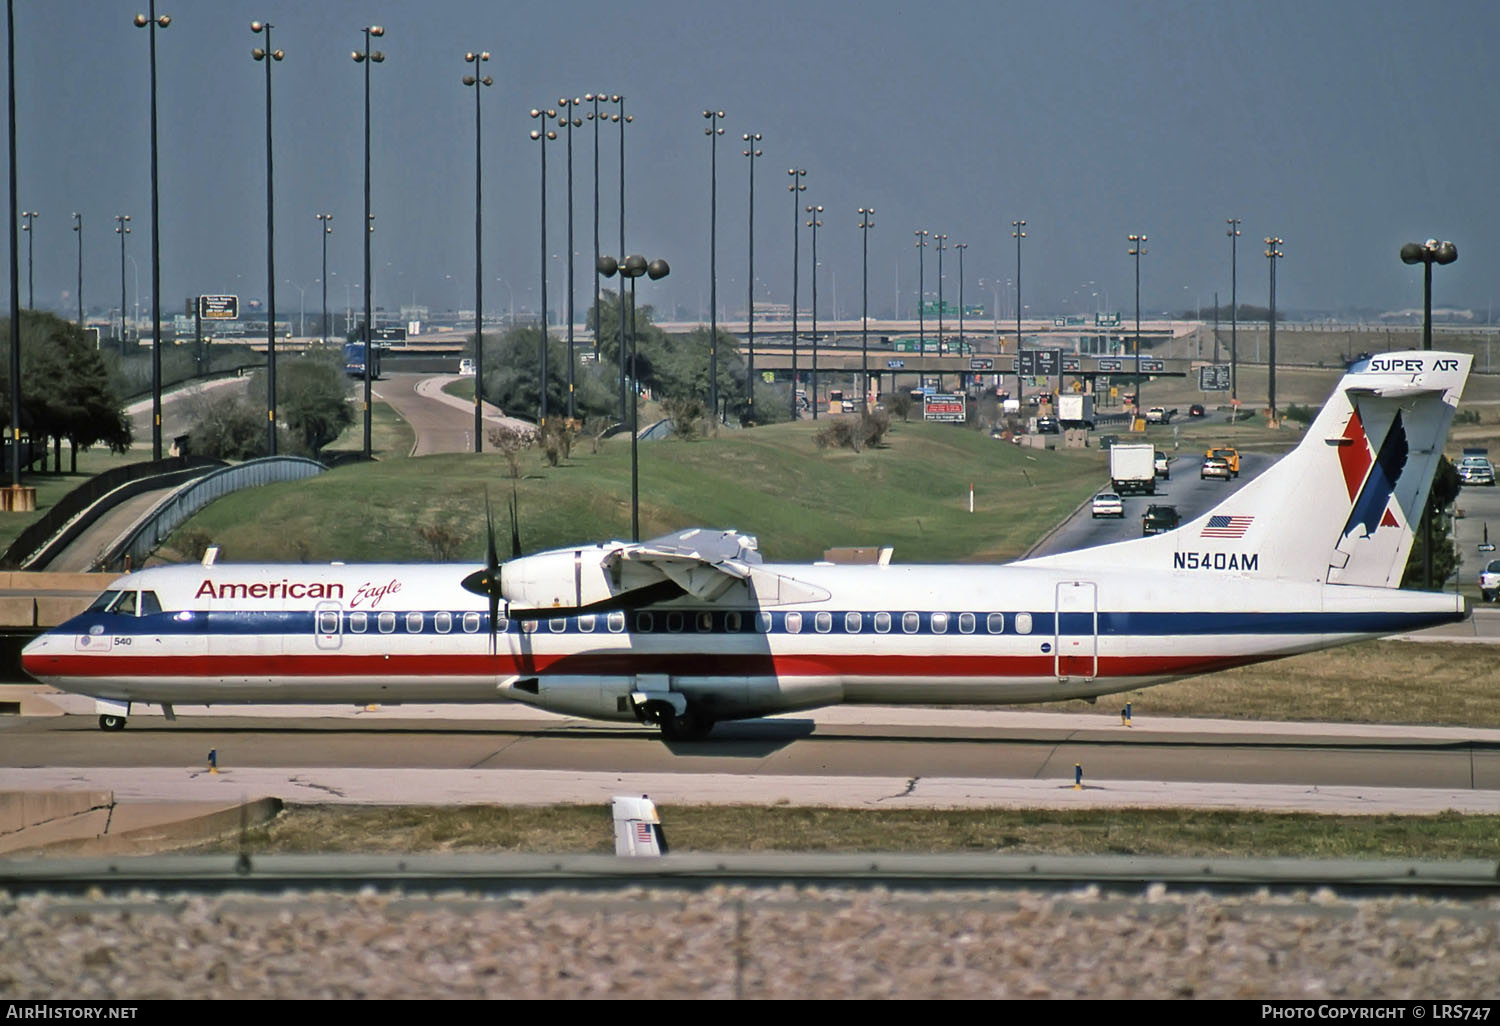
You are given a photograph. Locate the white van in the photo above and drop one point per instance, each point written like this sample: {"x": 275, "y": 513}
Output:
{"x": 466, "y": 367}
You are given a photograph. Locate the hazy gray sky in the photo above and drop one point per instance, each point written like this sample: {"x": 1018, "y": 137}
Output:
{"x": 1346, "y": 127}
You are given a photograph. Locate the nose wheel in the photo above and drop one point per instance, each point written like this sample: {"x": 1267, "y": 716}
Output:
{"x": 108, "y": 722}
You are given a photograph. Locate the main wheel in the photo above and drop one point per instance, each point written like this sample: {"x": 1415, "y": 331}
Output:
{"x": 107, "y": 722}
{"x": 690, "y": 726}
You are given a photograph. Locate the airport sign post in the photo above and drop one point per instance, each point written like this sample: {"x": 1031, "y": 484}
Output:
{"x": 219, "y": 308}
{"x": 1213, "y": 378}
{"x": 948, "y": 409}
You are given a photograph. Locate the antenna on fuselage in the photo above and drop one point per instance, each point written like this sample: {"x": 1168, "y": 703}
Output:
{"x": 210, "y": 554}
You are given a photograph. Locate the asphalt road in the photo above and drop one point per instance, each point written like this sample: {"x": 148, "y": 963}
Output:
{"x": 442, "y": 422}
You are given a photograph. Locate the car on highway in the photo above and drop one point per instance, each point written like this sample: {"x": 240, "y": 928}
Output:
{"x": 1489, "y": 581}
{"x": 1163, "y": 466}
{"x": 1214, "y": 467}
{"x": 1476, "y": 470}
{"x": 1157, "y": 415}
{"x": 1196, "y": 410}
{"x": 1108, "y": 504}
{"x": 1229, "y": 454}
{"x": 1046, "y": 426}
{"x": 1159, "y": 518}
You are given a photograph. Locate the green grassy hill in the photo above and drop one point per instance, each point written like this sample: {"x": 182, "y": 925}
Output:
{"x": 911, "y": 493}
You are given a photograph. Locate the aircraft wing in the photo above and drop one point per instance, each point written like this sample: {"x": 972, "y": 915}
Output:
{"x": 704, "y": 563}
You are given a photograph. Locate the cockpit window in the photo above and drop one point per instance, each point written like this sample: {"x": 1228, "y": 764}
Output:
{"x": 103, "y": 602}
{"x": 126, "y": 605}
{"x": 149, "y": 604}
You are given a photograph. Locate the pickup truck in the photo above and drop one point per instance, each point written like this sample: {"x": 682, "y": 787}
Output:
{"x": 1160, "y": 415}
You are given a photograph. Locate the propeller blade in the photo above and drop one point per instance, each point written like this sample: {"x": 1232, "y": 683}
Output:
{"x": 515, "y": 528}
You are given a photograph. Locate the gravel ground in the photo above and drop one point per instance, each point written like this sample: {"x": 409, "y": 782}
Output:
{"x": 728, "y": 942}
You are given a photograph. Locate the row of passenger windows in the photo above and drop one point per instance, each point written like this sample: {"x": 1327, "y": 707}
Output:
{"x": 677, "y": 622}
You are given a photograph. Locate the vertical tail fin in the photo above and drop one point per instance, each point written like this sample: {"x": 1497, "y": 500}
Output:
{"x": 1342, "y": 506}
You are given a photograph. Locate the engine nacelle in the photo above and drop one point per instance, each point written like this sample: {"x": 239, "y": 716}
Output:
{"x": 559, "y": 579}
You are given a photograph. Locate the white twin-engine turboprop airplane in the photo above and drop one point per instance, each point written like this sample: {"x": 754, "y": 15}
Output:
{"x": 693, "y": 628}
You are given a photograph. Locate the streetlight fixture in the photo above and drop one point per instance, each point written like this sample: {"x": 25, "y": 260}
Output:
{"x": 1018, "y": 233}
{"x": 623, "y": 119}
{"x": 30, "y": 216}
{"x": 15, "y": 494}
{"x": 570, "y": 122}
{"x": 921, "y": 234}
{"x": 477, "y": 58}
{"x": 368, "y": 57}
{"x": 269, "y": 56}
{"x": 939, "y": 240}
{"x": 1234, "y": 310}
{"x": 713, "y": 131}
{"x": 1137, "y": 250}
{"x": 543, "y": 135}
{"x": 1272, "y": 254}
{"x": 633, "y": 267}
{"x": 78, "y": 229}
{"x": 122, "y": 229}
{"x": 596, "y": 118}
{"x": 961, "y": 246}
{"x": 1427, "y": 253}
{"x": 866, "y": 222}
{"x": 796, "y": 187}
{"x": 325, "y": 229}
{"x": 751, "y": 138}
{"x": 151, "y": 23}
{"x": 814, "y": 223}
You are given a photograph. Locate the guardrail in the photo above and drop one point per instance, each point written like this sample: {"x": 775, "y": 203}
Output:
{"x": 82, "y": 506}
{"x": 172, "y": 511}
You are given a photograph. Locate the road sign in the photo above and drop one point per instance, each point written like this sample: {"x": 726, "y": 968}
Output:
{"x": 1153, "y": 366}
{"x": 1214, "y": 377}
{"x": 981, "y": 363}
{"x": 895, "y": 364}
{"x": 1072, "y": 364}
{"x": 944, "y": 408}
{"x": 1106, "y": 320}
{"x": 219, "y": 308}
{"x": 1110, "y": 365}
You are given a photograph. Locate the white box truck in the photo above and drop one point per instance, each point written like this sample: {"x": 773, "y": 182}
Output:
{"x": 1076, "y": 411}
{"x": 1132, "y": 469}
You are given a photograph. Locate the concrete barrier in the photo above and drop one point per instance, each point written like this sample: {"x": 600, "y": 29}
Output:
{"x": 22, "y": 809}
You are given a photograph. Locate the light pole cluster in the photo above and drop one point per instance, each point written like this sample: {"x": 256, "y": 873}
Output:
{"x": 325, "y": 229}
{"x": 921, "y": 235}
{"x": 814, "y": 222}
{"x": 1018, "y": 233}
{"x": 78, "y": 230}
{"x": 1427, "y": 253}
{"x": 866, "y": 222}
{"x": 122, "y": 229}
{"x": 797, "y": 187}
{"x": 1273, "y": 254}
{"x": 713, "y": 131}
{"x": 632, "y": 267}
{"x": 30, "y": 216}
{"x": 543, "y": 135}
{"x": 478, "y": 82}
{"x": 938, "y": 241}
{"x": 570, "y": 122}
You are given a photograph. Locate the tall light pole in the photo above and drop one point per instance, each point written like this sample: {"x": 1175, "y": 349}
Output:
{"x": 1234, "y": 309}
{"x": 151, "y": 23}
{"x": 15, "y": 277}
{"x": 921, "y": 234}
{"x": 477, "y": 58}
{"x": 1137, "y": 250}
{"x": 268, "y": 56}
{"x": 570, "y": 122}
{"x": 939, "y": 240}
{"x": 1018, "y": 232}
{"x": 596, "y": 118}
{"x": 1427, "y": 253}
{"x": 78, "y": 230}
{"x": 866, "y": 222}
{"x": 368, "y": 57}
{"x": 542, "y": 136}
{"x": 623, "y": 119}
{"x": 30, "y": 216}
{"x": 1272, "y": 254}
{"x": 751, "y": 139}
{"x": 961, "y": 246}
{"x": 325, "y": 229}
{"x": 814, "y": 223}
{"x": 713, "y": 131}
{"x": 122, "y": 229}
{"x": 797, "y": 186}
{"x": 633, "y": 267}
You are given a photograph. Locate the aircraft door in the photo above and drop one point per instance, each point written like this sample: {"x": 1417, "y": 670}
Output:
{"x": 1075, "y": 642}
{"x": 328, "y": 622}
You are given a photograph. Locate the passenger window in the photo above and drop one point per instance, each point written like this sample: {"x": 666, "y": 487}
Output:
{"x": 966, "y": 623}
{"x": 586, "y": 624}
{"x": 149, "y": 604}
{"x": 1023, "y": 623}
{"x": 705, "y": 622}
{"x": 911, "y": 622}
{"x": 852, "y": 623}
{"x": 502, "y": 625}
{"x": 939, "y": 623}
{"x": 794, "y": 623}
{"x": 471, "y": 623}
{"x": 386, "y": 622}
{"x": 995, "y": 623}
{"x": 529, "y": 626}
{"x": 732, "y": 622}
{"x": 442, "y": 622}
{"x": 674, "y": 622}
{"x": 882, "y": 623}
{"x": 763, "y": 623}
{"x": 359, "y": 622}
{"x": 615, "y": 622}
{"x": 557, "y": 625}
{"x": 643, "y": 623}
{"x": 823, "y": 622}
{"x": 414, "y": 623}
{"x": 328, "y": 622}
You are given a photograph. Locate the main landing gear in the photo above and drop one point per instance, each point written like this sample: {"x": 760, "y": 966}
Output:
{"x": 110, "y": 722}
{"x": 688, "y": 725}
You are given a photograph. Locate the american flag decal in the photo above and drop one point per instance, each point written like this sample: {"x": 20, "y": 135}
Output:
{"x": 1226, "y": 527}
{"x": 643, "y": 833}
